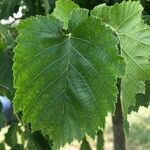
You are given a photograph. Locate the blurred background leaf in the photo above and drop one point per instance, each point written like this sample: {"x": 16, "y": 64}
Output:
{"x": 8, "y": 7}
{"x": 142, "y": 99}
{"x": 11, "y": 135}
{"x": 2, "y": 118}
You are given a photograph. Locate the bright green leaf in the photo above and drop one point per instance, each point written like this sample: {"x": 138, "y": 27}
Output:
{"x": 66, "y": 79}
{"x": 125, "y": 19}
{"x": 63, "y": 10}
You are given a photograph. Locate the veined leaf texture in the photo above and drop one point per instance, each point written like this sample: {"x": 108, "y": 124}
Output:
{"x": 67, "y": 78}
{"x": 134, "y": 35}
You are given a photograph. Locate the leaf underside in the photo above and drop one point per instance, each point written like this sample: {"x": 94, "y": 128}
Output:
{"x": 125, "y": 19}
{"x": 66, "y": 82}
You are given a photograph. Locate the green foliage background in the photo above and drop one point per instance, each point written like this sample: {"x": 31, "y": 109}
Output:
{"x": 8, "y": 35}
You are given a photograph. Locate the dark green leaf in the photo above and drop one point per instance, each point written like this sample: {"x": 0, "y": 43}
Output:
{"x": 8, "y": 7}
{"x": 18, "y": 147}
{"x": 6, "y": 77}
{"x": 6, "y": 61}
{"x": 2, "y": 118}
{"x": 11, "y": 135}
{"x": 100, "y": 140}
{"x": 37, "y": 141}
{"x": 142, "y": 99}
{"x": 36, "y": 7}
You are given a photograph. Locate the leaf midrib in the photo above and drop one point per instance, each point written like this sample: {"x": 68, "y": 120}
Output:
{"x": 66, "y": 70}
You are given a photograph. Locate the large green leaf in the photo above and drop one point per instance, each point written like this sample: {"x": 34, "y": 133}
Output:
{"x": 66, "y": 79}
{"x": 125, "y": 19}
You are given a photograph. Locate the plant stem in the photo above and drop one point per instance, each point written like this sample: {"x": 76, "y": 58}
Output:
{"x": 85, "y": 145}
{"x": 118, "y": 129}
{"x": 100, "y": 140}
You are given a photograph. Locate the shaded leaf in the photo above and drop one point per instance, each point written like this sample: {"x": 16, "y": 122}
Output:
{"x": 142, "y": 99}
{"x": 11, "y": 135}
{"x": 2, "y": 118}
{"x": 37, "y": 141}
{"x": 18, "y": 147}
{"x": 100, "y": 140}
{"x": 6, "y": 59}
{"x": 36, "y": 7}
{"x": 6, "y": 77}
{"x": 7, "y": 37}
